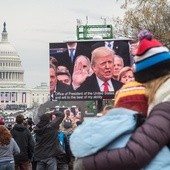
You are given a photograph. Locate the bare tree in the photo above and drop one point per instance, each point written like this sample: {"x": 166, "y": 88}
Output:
{"x": 145, "y": 14}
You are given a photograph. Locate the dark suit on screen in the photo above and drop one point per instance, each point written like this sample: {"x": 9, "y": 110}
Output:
{"x": 60, "y": 87}
{"x": 91, "y": 85}
{"x": 64, "y": 59}
{"x": 120, "y": 47}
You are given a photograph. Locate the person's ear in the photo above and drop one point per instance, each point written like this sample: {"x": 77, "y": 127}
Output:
{"x": 93, "y": 68}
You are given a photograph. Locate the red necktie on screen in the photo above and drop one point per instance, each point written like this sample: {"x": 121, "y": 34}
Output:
{"x": 106, "y": 88}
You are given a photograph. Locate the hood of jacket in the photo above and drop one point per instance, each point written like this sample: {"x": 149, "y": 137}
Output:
{"x": 19, "y": 127}
{"x": 108, "y": 130}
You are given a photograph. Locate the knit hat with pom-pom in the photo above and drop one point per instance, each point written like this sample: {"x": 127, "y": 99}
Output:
{"x": 132, "y": 95}
{"x": 152, "y": 58}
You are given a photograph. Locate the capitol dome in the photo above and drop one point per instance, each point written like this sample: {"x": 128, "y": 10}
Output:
{"x": 7, "y": 49}
{"x": 11, "y": 70}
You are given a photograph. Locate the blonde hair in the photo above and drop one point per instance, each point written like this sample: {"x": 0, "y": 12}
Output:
{"x": 153, "y": 85}
{"x": 101, "y": 52}
{"x": 123, "y": 71}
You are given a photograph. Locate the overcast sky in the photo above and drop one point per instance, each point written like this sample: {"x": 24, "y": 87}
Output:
{"x": 33, "y": 24}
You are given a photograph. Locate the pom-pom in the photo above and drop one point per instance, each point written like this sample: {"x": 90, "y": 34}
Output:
{"x": 145, "y": 34}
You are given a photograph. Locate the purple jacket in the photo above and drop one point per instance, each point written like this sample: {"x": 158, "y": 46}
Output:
{"x": 144, "y": 144}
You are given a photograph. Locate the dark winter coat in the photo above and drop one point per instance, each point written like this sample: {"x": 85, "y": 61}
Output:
{"x": 144, "y": 144}
{"x": 47, "y": 143}
{"x": 25, "y": 142}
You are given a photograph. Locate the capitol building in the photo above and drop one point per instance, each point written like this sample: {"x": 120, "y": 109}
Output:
{"x": 13, "y": 90}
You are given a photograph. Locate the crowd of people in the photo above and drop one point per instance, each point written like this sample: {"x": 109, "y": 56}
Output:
{"x": 44, "y": 145}
{"x": 132, "y": 133}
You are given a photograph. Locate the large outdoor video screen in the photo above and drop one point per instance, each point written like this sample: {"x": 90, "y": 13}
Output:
{"x": 76, "y": 76}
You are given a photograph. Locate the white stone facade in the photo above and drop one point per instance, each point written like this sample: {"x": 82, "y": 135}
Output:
{"x": 13, "y": 90}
